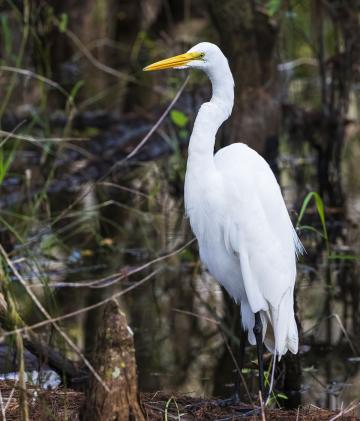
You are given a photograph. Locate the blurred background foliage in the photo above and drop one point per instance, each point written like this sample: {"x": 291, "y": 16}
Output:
{"x": 79, "y": 215}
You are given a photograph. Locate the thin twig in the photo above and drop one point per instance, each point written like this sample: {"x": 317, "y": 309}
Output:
{"x": 93, "y": 60}
{"x": 353, "y": 349}
{"x": 337, "y": 318}
{"x": 125, "y": 159}
{"x": 263, "y": 416}
{"x": 155, "y": 126}
{"x": 198, "y": 316}
{"x": 11, "y": 395}
{"x": 351, "y": 407}
{"x": 3, "y": 412}
{"x": 29, "y": 73}
{"x": 124, "y": 188}
{"x": 340, "y": 414}
{"x": 236, "y": 365}
{"x": 345, "y": 411}
{"x": 101, "y": 66}
{"x": 115, "y": 277}
{"x": 44, "y": 139}
{"x": 22, "y": 378}
{"x": 81, "y": 310}
{"x": 11, "y": 134}
{"x": 272, "y": 379}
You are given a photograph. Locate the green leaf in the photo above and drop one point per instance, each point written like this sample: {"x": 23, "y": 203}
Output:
{"x": 63, "y": 23}
{"x": 310, "y": 228}
{"x": 6, "y": 32}
{"x": 320, "y": 210}
{"x": 179, "y": 118}
{"x": 281, "y": 396}
{"x": 76, "y": 88}
{"x": 343, "y": 257}
{"x": 272, "y": 6}
{"x": 187, "y": 255}
{"x": 6, "y": 160}
{"x": 184, "y": 134}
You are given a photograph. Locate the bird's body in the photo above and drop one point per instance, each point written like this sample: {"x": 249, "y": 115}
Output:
{"x": 246, "y": 241}
{"x": 237, "y": 212}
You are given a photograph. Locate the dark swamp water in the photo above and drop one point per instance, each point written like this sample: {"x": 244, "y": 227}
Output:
{"x": 180, "y": 318}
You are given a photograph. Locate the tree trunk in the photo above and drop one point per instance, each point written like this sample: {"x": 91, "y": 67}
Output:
{"x": 247, "y": 38}
{"x": 114, "y": 360}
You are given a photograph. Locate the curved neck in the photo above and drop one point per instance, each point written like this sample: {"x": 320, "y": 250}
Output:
{"x": 212, "y": 114}
{"x": 222, "y": 83}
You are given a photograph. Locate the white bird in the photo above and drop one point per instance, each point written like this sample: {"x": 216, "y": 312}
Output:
{"x": 238, "y": 215}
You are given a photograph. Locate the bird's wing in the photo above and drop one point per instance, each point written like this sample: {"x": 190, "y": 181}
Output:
{"x": 258, "y": 226}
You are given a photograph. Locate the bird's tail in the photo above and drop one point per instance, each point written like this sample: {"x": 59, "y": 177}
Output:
{"x": 282, "y": 334}
{"x": 299, "y": 248}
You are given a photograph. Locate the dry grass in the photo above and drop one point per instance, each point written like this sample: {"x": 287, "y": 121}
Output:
{"x": 189, "y": 409}
{"x": 44, "y": 405}
{"x": 66, "y": 405}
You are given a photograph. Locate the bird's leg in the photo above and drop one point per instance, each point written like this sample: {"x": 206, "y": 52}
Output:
{"x": 258, "y": 332}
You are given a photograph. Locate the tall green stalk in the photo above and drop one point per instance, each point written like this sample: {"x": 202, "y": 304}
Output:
{"x": 13, "y": 320}
{"x": 19, "y": 59}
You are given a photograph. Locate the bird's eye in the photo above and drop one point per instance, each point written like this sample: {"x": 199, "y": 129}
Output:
{"x": 202, "y": 55}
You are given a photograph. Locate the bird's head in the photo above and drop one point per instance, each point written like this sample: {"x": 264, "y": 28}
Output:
{"x": 203, "y": 56}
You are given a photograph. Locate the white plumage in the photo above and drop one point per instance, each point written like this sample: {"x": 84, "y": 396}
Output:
{"x": 237, "y": 212}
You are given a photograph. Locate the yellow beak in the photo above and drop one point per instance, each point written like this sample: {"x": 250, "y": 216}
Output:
{"x": 176, "y": 61}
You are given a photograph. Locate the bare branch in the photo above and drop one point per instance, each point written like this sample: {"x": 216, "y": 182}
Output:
{"x": 115, "y": 277}
{"x": 77, "y": 312}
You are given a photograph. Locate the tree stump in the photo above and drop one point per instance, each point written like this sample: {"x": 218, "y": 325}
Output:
{"x": 114, "y": 361}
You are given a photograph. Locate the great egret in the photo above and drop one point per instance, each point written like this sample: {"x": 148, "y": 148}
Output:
{"x": 238, "y": 215}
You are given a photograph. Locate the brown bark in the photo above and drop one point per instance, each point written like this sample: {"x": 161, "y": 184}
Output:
{"x": 114, "y": 360}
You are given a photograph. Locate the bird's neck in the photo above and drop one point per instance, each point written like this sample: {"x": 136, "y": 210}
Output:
{"x": 222, "y": 84}
{"x": 211, "y": 115}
